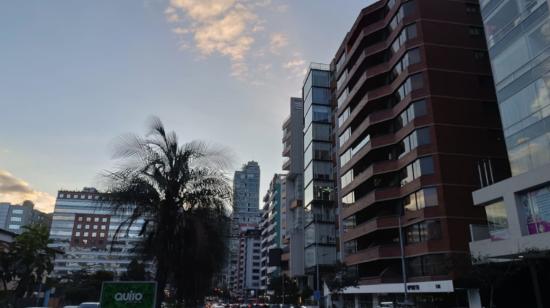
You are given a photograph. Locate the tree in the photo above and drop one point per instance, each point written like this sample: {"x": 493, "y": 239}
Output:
{"x": 135, "y": 272}
{"x": 289, "y": 291}
{"x": 33, "y": 258}
{"x": 182, "y": 194}
{"x": 83, "y": 286}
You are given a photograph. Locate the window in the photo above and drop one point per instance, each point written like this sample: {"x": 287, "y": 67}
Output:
{"x": 406, "y": 34}
{"x": 420, "y": 167}
{"x": 103, "y": 227}
{"x": 79, "y": 226}
{"x": 415, "y": 109}
{"x": 88, "y": 219}
{"x": 497, "y": 220}
{"x": 86, "y": 233}
{"x": 77, "y": 233}
{"x": 426, "y": 197}
{"x": 87, "y": 227}
{"x": 14, "y": 227}
{"x": 102, "y": 234}
{"x": 348, "y": 199}
{"x": 411, "y": 57}
{"x": 104, "y": 219}
{"x": 95, "y": 227}
{"x": 345, "y": 136}
{"x": 343, "y": 117}
{"x": 345, "y": 158}
{"x": 15, "y": 218}
{"x": 424, "y": 231}
{"x": 94, "y": 234}
{"x": 347, "y": 178}
{"x": 96, "y": 219}
{"x": 536, "y": 206}
{"x": 17, "y": 211}
{"x": 80, "y": 218}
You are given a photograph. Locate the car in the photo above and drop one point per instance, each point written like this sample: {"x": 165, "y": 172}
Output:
{"x": 89, "y": 305}
{"x": 71, "y": 306}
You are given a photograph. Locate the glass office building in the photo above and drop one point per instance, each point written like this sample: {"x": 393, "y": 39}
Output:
{"x": 518, "y": 37}
{"x": 319, "y": 185}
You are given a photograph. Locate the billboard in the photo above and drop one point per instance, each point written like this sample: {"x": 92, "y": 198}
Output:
{"x": 128, "y": 294}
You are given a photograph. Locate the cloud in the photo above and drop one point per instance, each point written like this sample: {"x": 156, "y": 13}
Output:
{"x": 228, "y": 28}
{"x": 277, "y": 42}
{"x": 15, "y": 190}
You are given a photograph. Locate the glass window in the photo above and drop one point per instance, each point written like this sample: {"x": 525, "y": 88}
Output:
{"x": 345, "y": 158}
{"x": 347, "y": 178}
{"x": 343, "y": 117}
{"x": 497, "y": 220}
{"x": 409, "y": 203}
{"x": 15, "y": 218}
{"x": 345, "y": 136}
{"x": 348, "y": 199}
{"x": 536, "y": 206}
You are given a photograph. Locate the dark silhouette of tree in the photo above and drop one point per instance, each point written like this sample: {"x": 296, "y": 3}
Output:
{"x": 135, "y": 271}
{"x": 83, "y": 286}
{"x": 182, "y": 194}
{"x": 290, "y": 291}
{"x": 33, "y": 258}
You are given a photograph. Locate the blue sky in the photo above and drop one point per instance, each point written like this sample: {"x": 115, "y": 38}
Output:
{"x": 75, "y": 75}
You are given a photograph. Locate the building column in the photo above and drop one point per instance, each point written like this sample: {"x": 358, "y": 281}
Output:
{"x": 474, "y": 299}
{"x": 375, "y": 301}
{"x": 356, "y": 300}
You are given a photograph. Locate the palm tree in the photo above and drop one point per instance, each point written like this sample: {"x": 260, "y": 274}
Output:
{"x": 182, "y": 194}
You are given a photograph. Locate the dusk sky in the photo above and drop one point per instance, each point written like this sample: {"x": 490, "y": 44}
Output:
{"x": 75, "y": 75}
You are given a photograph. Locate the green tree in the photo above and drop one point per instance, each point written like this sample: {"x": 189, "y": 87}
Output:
{"x": 33, "y": 258}
{"x": 182, "y": 194}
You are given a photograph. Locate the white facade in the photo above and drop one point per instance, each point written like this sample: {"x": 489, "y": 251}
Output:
{"x": 524, "y": 222}
{"x": 83, "y": 227}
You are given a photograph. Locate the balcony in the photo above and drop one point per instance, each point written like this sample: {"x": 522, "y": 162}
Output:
{"x": 296, "y": 203}
{"x": 388, "y": 251}
{"x": 286, "y": 150}
{"x": 286, "y": 164}
{"x": 389, "y": 193}
{"x": 374, "y": 224}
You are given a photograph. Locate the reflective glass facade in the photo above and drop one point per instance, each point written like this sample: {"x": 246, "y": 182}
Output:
{"x": 319, "y": 187}
{"x": 518, "y": 37}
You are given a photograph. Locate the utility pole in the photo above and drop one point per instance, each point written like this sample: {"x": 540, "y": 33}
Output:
{"x": 403, "y": 268}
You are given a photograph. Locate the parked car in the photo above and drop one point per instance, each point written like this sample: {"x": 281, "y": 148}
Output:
{"x": 89, "y": 305}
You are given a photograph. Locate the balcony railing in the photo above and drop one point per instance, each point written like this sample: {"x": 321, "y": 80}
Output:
{"x": 479, "y": 232}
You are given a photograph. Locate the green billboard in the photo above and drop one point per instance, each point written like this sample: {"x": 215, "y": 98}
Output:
{"x": 128, "y": 294}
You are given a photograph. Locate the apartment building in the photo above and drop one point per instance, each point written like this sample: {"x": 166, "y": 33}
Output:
{"x": 417, "y": 127}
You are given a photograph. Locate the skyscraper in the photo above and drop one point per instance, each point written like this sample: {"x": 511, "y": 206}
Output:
{"x": 293, "y": 193}
{"x": 518, "y": 37}
{"x": 244, "y": 244}
{"x": 319, "y": 185}
{"x": 417, "y": 128}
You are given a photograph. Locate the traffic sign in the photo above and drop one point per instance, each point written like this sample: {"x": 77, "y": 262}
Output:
{"x": 128, "y": 294}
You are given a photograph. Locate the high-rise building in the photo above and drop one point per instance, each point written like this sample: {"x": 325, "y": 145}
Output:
{"x": 244, "y": 260}
{"x": 83, "y": 228}
{"x": 417, "y": 129}
{"x": 293, "y": 187}
{"x": 319, "y": 181}
{"x": 271, "y": 228}
{"x": 14, "y": 217}
{"x": 518, "y": 208}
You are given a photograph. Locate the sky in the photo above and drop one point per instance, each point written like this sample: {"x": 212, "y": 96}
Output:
{"x": 77, "y": 75}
